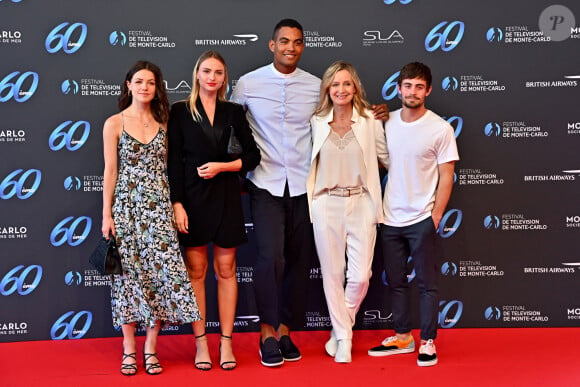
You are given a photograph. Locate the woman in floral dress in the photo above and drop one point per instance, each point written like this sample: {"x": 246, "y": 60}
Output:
{"x": 154, "y": 287}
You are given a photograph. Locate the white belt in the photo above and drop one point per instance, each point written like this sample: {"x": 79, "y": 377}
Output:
{"x": 345, "y": 192}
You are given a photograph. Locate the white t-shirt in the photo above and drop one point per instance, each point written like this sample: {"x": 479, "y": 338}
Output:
{"x": 415, "y": 151}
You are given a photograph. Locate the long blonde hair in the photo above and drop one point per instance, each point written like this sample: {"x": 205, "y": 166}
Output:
{"x": 195, "y": 83}
{"x": 359, "y": 99}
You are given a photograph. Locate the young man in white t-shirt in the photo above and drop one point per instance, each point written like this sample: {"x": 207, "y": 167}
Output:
{"x": 422, "y": 152}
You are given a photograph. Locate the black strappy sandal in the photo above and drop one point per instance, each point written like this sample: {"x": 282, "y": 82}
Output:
{"x": 229, "y": 362}
{"x": 129, "y": 367}
{"x": 151, "y": 366}
{"x": 202, "y": 365}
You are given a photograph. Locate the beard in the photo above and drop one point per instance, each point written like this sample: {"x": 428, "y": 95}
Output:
{"x": 412, "y": 103}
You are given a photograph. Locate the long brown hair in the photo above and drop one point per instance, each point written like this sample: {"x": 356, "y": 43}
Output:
{"x": 160, "y": 103}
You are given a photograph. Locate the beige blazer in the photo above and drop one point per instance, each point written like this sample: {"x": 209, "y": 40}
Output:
{"x": 370, "y": 134}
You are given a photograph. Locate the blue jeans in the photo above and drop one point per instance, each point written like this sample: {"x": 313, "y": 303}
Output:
{"x": 418, "y": 241}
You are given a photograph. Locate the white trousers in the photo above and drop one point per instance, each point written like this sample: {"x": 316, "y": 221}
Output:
{"x": 345, "y": 233}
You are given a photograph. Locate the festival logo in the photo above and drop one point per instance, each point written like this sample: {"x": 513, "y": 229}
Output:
{"x": 491, "y": 222}
{"x": 88, "y": 183}
{"x": 513, "y": 222}
{"x": 69, "y": 86}
{"x": 71, "y": 230}
{"x": 20, "y": 184}
{"x": 90, "y": 87}
{"x": 73, "y": 278}
{"x": 390, "y": 88}
{"x": 316, "y": 39}
{"x": 492, "y": 313}
{"x": 317, "y": 320}
{"x": 477, "y": 176}
{"x": 21, "y": 280}
{"x": 445, "y": 36}
{"x": 139, "y": 39}
{"x": 494, "y": 34}
{"x": 70, "y": 135}
{"x": 515, "y": 314}
{"x": 521, "y": 129}
{"x": 492, "y": 129}
{"x": 450, "y": 313}
{"x": 245, "y": 274}
{"x": 72, "y": 183}
{"x": 477, "y": 269}
{"x": 117, "y": 38}
{"x": 93, "y": 278}
{"x": 449, "y": 269}
{"x": 71, "y": 325}
{"x": 450, "y": 84}
{"x": 66, "y": 37}
{"x": 475, "y": 83}
{"x": 450, "y": 223}
{"x": 18, "y": 86}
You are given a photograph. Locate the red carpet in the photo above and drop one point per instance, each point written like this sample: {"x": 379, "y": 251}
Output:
{"x": 467, "y": 357}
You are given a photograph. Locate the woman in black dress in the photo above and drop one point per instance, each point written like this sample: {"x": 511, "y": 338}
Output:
{"x": 205, "y": 192}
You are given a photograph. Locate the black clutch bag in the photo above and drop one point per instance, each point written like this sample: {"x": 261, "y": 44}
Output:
{"x": 105, "y": 258}
{"x": 234, "y": 146}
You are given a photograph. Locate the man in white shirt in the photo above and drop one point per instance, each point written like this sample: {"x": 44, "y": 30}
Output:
{"x": 280, "y": 99}
{"x": 422, "y": 153}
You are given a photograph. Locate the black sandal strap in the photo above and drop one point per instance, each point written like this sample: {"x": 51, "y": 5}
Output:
{"x": 147, "y": 356}
{"x": 200, "y": 336}
{"x": 151, "y": 366}
{"x": 129, "y": 367}
{"x": 131, "y": 355}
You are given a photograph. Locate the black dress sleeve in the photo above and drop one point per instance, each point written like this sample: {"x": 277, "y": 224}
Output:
{"x": 250, "y": 153}
{"x": 175, "y": 162}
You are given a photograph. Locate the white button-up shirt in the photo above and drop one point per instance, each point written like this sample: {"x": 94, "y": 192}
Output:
{"x": 279, "y": 107}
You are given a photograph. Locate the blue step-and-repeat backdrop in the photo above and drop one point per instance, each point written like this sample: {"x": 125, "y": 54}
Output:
{"x": 506, "y": 76}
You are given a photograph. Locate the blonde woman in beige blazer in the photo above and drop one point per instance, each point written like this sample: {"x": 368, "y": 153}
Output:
{"x": 344, "y": 196}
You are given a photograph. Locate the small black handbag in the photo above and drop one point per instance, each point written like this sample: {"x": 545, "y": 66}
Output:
{"x": 234, "y": 146}
{"x": 105, "y": 258}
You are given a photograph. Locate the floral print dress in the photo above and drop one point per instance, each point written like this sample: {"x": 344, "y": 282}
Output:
{"x": 154, "y": 285}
